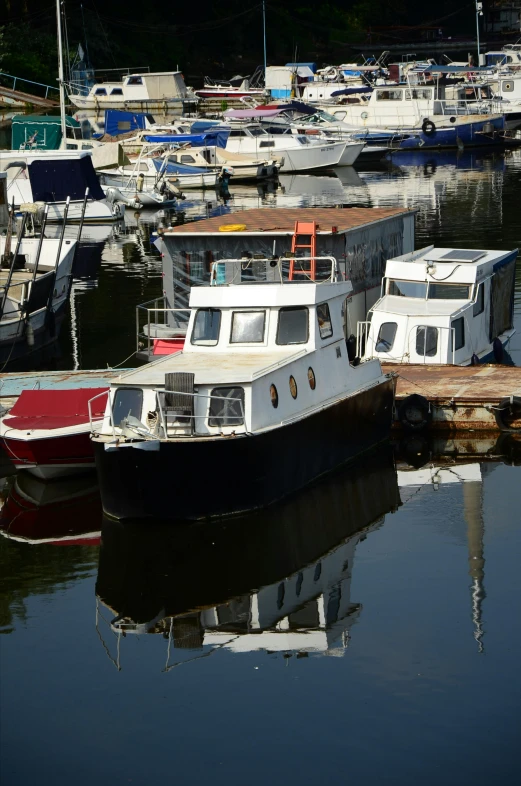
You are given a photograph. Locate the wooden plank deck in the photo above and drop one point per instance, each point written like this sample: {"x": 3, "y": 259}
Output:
{"x": 16, "y": 98}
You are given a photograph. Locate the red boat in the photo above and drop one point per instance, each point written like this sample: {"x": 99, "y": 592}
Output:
{"x": 48, "y": 431}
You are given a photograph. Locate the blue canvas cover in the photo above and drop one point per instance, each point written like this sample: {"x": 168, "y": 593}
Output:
{"x": 118, "y": 122}
{"x": 177, "y": 169}
{"x": 208, "y": 139}
{"x": 55, "y": 180}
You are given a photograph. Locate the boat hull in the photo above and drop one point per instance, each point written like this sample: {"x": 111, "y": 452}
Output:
{"x": 482, "y": 131}
{"x": 244, "y": 472}
{"x": 53, "y": 455}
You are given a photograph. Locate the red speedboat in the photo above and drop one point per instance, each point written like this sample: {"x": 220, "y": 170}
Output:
{"x": 48, "y": 431}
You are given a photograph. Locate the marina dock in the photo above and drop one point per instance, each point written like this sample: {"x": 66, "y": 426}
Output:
{"x": 461, "y": 398}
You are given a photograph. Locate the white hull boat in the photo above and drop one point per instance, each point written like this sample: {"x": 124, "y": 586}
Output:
{"x": 299, "y": 153}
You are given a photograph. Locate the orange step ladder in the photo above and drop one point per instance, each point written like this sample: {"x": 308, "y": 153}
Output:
{"x": 305, "y": 238}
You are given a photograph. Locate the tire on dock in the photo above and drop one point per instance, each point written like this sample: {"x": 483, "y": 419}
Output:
{"x": 508, "y": 414}
{"x": 414, "y": 412}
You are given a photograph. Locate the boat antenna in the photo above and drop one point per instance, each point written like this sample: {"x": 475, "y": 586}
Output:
{"x": 264, "y": 36}
{"x": 60, "y": 73}
{"x": 479, "y": 12}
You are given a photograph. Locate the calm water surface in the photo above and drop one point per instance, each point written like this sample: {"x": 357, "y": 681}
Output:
{"x": 367, "y": 631}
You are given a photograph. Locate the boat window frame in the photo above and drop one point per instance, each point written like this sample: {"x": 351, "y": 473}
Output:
{"x": 249, "y": 311}
{"x": 478, "y": 306}
{"x": 239, "y": 421}
{"x": 398, "y": 91}
{"x": 100, "y": 91}
{"x": 285, "y": 309}
{"x": 116, "y": 91}
{"x": 125, "y": 389}
{"x": 325, "y": 332}
{"x": 134, "y": 81}
{"x": 199, "y": 343}
{"x": 379, "y": 338}
{"x": 427, "y": 353}
{"x": 391, "y": 281}
{"x": 448, "y": 285}
{"x": 459, "y": 321}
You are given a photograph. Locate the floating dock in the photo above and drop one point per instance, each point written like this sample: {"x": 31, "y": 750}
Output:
{"x": 461, "y": 398}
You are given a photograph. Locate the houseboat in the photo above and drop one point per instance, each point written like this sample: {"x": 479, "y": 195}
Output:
{"x": 443, "y": 305}
{"x": 265, "y": 382}
{"x": 163, "y": 91}
{"x": 360, "y": 239}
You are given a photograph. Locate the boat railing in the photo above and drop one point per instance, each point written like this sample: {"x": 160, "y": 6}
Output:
{"x": 152, "y": 324}
{"x": 184, "y": 417}
{"x": 17, "y": 79}
{"x": 284, "y": 269}
{"x": 91, "y": 417}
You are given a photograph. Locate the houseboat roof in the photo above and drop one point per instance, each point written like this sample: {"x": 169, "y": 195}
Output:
{"x": 211, "y": 368}
{"x": 463, "y": 265}
{"x": 259, "y": 294}
{"x": 281, "y": 221}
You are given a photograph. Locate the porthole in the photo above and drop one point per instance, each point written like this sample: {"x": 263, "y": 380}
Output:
{"x": 293, "y": 387}
{"x": 311, "y": 378}
{"x": 274, "y": 396}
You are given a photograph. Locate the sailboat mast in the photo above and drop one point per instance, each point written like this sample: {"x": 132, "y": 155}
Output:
{"x": 60, "y": 74}
{"x": 264, "y": 34}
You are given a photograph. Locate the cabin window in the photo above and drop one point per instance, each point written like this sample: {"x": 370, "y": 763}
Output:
{"x": 389, "y": 95}
{"x": 459, "y": 333}
{"x": 127, "y": 401}
{"x": 257, "y": 131}
{"x": 117, "y": 91}
{"x": 386, "y": 335}
{"x": 248, "y": 327}
{"x": 267, "y": 144}
{"x": 426, "y": 341}
{"x": 449, "y": 291}
{"x": 293, "y": 325}
{"x": 86, "y": 146}
{"x": 207, "y": 325}
{"x": 407, "y": 288}
{"x": 100, "y": 92}
{"x": 324, "y": 321}
{"x": 237, "y": 132}
{"x": 123, "y": 125}
{"x": 418, "y": 94}
{"x": 187, "y": 159}
{"x": 226, "y": 407}
{"x": 479, "y": 303}
{"x": 134, "y": 80}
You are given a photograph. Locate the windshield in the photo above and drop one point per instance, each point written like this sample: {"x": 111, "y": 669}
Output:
{"x": 407, "y": 288}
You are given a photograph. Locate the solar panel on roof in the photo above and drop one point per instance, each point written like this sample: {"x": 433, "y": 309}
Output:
{"x": 462, "y": 255}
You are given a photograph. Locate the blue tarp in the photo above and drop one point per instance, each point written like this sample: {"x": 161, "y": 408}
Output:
{"x": 208, "y": 139}
{"x": 55, "y": 180}
{"x": 118, "y": 122}
{"x": 177, "y": 169}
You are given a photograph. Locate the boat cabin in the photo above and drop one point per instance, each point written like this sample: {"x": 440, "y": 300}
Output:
{"x": 509, "y": 56}
{"x": 144, "y": 89}
{"x": 442, "y": 305}
{"x": 256, "y": 354}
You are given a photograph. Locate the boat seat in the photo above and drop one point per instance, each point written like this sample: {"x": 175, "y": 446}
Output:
{"x": 179, "y": 398}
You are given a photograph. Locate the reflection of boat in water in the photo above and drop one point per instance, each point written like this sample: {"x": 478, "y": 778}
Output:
{"x": 277, "y": 580}
{"x": 63, "y": 511}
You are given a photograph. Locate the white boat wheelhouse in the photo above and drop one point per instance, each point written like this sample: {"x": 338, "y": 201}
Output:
{"x": 441, "y": 305}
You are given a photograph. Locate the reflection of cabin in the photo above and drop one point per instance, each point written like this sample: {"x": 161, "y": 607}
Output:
{"x": 360, "y": 239}
{"x": 502, "y": 16}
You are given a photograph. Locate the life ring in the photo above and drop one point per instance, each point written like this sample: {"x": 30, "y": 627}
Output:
{"x": 414, "y": 412}
{"x": 428, "y": 127}
{"x": 232, "y": 227}
{"x": 507, "y": 411}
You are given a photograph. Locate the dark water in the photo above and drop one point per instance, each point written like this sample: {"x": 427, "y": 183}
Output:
{"x": 367, "y": 631}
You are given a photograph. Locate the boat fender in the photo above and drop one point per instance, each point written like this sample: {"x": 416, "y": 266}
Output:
{"x": 474, "y": 360}
{"x": 351, "y": 347}
{"x": 232, "y": 227}
{"x": 428, "y": 127}
{"x": 414, "y": 412}
{"x": 508, "y": 410}
{"x": 415, "y": 450}
{"x": 498, "y": 350}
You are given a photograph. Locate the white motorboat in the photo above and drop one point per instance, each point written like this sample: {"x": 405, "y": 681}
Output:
{"x": 300, "y": 152}
{"x": 50, "y": 177}
{"x": 35, "y": 280}
{"x": 264, "y": 383}
{"x": 442, "y": 306}
{"x": 165, "y": 90}
{"x": 239, "y": 165}
{"x": 154, "y": 169}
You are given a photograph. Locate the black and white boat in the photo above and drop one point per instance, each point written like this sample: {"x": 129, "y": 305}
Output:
{"x": 265, "y": 397}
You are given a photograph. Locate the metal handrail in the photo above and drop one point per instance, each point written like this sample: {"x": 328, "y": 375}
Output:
{"x": 275, "y": 262}
{"x": 111, "y": 417}
{"x": 163, "y": 391}
{"x": 155, "y": 309}
{"x": 29, "y": 81}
